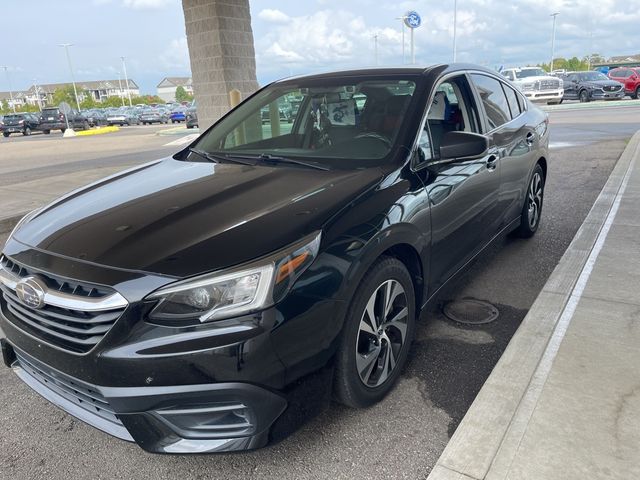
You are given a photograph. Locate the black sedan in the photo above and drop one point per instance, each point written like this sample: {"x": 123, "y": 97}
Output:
{"x": 588, "y": 86}
{"x": 210, "y": 301}
{"x": 23, "y": 123}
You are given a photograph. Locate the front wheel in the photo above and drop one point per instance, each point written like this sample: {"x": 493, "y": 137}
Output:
{"x": 6, "y": 134}
{"x": 27, "y": 131}
{"x": 46, "y": 132}
{"x": 637, "y": 96}
{"x": 584, "y": 96}
{"x": 377, "y": 333}
{"x": 532, "y": 208}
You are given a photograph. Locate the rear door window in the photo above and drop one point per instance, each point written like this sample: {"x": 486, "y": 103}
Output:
{"x": 512, "y": 98}
{"x": 493, "y": 98}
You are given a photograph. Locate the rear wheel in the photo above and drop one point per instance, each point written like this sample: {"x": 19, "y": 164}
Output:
{"x": 377, "y": 334}
{"x": 86, "y": 126}
{"x": 63, "y": 130}
{"x": 46, "y": 132}
{"x": 6, "y": 134}
{"x": 532, "y": 208}
{"x": 637, "y": 93}
{"x": 27, "y": 131}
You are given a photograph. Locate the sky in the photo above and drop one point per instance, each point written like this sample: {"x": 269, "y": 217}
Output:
{"x": 295, "y": 37}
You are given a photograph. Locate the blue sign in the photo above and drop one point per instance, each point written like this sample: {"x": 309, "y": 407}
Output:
{"x": 412, "y": 19}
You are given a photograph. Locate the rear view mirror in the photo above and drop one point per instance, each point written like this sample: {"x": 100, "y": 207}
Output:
{"x": 463, "y": 145}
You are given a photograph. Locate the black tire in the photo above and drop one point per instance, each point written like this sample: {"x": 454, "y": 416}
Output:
{"x": 63, "y": 130}
{"x": 6, "y": 134}
{"x": 46, "y": 132}
{"x": 583, "y": 96}
{"x": 637, "y": 96}
{"x": 528, "y": 228}
{"x": 189, "y": 126}
{"x": 349, "y": 387}
{"x": 86, "y": 126}
{"x": 27, "y": 131}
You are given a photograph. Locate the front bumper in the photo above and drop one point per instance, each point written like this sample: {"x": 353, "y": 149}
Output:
{"x": 602, "y": 95}
{"x": 174, "y": 419}
{"x": 544, "y": 95}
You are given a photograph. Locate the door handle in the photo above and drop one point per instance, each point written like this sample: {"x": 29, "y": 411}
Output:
{"x": 492, "y": 162}
{"x": 530, "y": 138}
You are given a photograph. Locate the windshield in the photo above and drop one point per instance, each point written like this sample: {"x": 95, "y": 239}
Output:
{"x": 531, "y": 72}
{"x": 592, "y": 76}
{"x": 323, "y": 120}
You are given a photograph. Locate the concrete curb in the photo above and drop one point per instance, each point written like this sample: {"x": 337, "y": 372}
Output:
{"x": 97, "y": 131}
{"x": 486, "y": 440}
{"x": 591, "y": 105}
{"x": 177, "y": 131}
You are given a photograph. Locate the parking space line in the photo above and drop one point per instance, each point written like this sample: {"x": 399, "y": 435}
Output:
{"x": 182, "y": 140}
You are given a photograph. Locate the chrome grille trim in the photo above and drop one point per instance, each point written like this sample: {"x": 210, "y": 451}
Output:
{"x": 66, "y": 300}
{"x": 64, "y": 322}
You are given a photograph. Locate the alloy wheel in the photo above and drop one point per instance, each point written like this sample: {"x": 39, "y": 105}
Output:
{"x": 381, "y": 334}
{"x": 534, "y": 199}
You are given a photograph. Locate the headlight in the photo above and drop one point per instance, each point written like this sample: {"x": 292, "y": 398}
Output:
{"x": 237, "y": 291}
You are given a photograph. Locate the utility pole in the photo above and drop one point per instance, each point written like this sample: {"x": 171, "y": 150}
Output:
{"x": 37, "y": 89}
{"x": 455, "y": 26}
{"x": 402, "y": 19}
{"x": 553, "y": 40}
{"x": 375, "y": 47}
{"x": 120, "y": 85}
{"x": 6, "y": 71}
{"x": 126, "y": 81}
{"x": 73, "y": 80}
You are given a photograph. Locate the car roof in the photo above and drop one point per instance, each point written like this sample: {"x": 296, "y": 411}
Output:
{"x": 375, "y": 71}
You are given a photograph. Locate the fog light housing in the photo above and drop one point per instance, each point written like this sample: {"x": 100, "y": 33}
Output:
{"x": 218, "y": 420}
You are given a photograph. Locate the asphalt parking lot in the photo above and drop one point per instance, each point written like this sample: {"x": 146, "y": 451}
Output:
{"x": 402, "y": 436}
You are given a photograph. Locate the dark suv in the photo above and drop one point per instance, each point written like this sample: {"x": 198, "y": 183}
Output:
{"x": 588, "y": 86}
{"x": 52, "y": 118}
{"x": 210, "y": 301}
{"x": 23, "y": 123}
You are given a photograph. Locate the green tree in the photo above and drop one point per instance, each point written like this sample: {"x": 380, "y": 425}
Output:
{"x": 182, "y": 95}
{"x": 113, "y": 102}
{"x": 64, "y": 94}
{"x": 146, "y": 99}
{"x": 88, "y": 101}
{"x": 5, "y": 106}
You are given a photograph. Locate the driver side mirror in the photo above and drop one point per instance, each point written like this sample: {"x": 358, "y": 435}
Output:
{"x": 463, "y": 145}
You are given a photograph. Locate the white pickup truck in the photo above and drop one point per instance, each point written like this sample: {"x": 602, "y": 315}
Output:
{"x": 536, "y": 84}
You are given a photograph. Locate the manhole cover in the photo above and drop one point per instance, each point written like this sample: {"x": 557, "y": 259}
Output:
{"x": 471, "y": 311}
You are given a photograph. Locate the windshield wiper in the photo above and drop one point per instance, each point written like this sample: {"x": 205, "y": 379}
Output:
{"x": 276, "y": 159}
{"x": 216, "y": 158}
{"x": 203, "y": 154}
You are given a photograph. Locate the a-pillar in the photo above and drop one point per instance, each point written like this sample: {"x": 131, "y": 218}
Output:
{"x": 221, "y": 52}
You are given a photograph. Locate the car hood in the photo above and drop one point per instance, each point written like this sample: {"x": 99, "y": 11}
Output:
{"x": 183, "y": 218}
{"x": 535, "y": 79}
{"x": 601, "y": 83}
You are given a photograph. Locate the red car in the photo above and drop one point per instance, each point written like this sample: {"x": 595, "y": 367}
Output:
{"x": 629, "y": 77}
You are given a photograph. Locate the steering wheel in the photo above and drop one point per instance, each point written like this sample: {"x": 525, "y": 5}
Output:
{"x": 376, "y": 136}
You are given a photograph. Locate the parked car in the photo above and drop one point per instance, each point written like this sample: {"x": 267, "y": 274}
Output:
{"x": 178, "y": 114}
{"x": 284, "y": 113}
{"x": 52, "y": 118}
{"x": 23, "y": 123}
{"x": 208, "y": 301}
{"x": 96, "y": 117}
{"x": 123, "y": 116}
{"x": 191, "y": 116}
{"x": 154, "y": 115}
{"x": 588, "y": 86}
{"x": 629, "y": 77}
{"x": 536, "y": 84}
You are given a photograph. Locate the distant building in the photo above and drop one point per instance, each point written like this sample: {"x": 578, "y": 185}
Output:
{"x": 98, "y": 90}
{"x": 619, "y": 61}
{"x": 19, "y": 99}
{"x": 167, "y": 87}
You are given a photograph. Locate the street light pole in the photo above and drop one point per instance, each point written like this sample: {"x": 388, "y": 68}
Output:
{"x": 120, "y": 85}
{"x": 126, "y": 81}
{"x": 375, "y": 46}
{"x": 402, "y": 19}
{"x": 38, "y": 99}
{"x": 73, "y": 80}
{"x": 553, "y": 40}
{"x": 455, "y": 26}
{"x": 13, "y": 105}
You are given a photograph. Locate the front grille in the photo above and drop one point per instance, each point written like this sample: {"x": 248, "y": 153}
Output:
{"x": 549, "y": 84}
{"x": 74, "y": 329}
{"x": 612, "y": 88}
{"x": 82, "y": 395}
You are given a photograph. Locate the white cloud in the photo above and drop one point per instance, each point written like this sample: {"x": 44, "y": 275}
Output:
{"x": 145, "y": 4}
{"x": 274, "y": 16}
{"x": 176, "y": 55}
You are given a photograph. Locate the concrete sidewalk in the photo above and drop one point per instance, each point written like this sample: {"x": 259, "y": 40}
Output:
{"x": 563, "y": 402}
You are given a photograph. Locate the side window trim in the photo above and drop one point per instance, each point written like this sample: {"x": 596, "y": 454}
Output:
{"x": 478, "y": 98}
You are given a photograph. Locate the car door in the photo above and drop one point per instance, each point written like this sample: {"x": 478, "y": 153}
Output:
{"x": 570, "y": 87}
{"x": 463, "y": 193}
